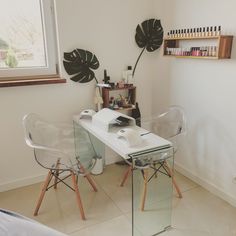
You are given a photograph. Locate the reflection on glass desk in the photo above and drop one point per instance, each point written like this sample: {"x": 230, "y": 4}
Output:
{"x": 152, "y": 192}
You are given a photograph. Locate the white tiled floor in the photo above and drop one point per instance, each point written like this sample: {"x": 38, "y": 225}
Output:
{"x": 108, "y": 211}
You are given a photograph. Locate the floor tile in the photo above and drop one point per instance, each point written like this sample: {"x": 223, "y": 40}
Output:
{"x": 184, "y": 183}
{"x": 115, "y": 227}
{"x": 110, "y": 182}
{"x": 179, "y": 232}
{"x": 199, "y": 210}
{"x": 59, "y": 209}
{"x": 108, "y": 212}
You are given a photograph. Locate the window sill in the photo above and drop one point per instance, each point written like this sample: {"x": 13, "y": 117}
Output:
{"x": 24, "y": 81}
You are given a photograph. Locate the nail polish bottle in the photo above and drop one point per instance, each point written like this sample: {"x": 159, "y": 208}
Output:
{"x": 215, "y": 31}
{"x": 187, "y": 35}
{"x": 203, "y": 32}
{"x": 219, "y": 31}
{"x": 207, "y": 32}
{"x": 200, "y": 32}
{"x": 175, "y": 33}
{"x": 211, "y": 31}
{"x": 191, "y": 33}
{"x": 182, "y": 34}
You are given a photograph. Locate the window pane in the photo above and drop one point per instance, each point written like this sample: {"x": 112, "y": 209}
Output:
{"x": 21, "y": 34}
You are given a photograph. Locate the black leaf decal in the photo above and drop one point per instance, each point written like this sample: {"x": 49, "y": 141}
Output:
{"x": 81, "y": 63}
{"x": 149, "y": 36}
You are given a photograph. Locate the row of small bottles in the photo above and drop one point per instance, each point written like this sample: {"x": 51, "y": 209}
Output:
{"x": 206, "y": 51}
{"x": 195, "y": 32}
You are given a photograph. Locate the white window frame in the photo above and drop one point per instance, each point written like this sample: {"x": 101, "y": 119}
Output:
{"x": 50, "y": 44}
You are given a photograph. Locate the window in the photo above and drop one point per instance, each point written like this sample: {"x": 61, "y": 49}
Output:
{"x": 27, "y": 38}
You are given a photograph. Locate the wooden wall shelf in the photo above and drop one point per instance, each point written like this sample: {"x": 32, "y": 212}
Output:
{"x": 106, "y": 94}
{"x": 223, "y": 44}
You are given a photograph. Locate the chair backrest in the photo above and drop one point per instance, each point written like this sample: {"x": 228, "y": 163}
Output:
{"x": 56, "y": 142}
{"x": 170, "y": 124}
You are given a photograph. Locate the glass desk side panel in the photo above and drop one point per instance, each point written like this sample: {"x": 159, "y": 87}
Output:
{"x": 152, "y": 192}
{"x": 84, "y": 139}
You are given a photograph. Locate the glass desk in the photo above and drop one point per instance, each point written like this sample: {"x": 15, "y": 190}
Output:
{"x": 151, "y": 181}
{"x": 151, "y": 191}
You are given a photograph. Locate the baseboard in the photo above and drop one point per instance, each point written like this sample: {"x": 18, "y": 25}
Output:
{"x": 21, "y": 183}
{"x": 40, "y": 178}
{"x": 205, "y": 184}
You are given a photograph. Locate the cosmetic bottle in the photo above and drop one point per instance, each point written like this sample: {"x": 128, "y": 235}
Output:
{"x": 219, "y": 31}
{"x": 191, "y": 33}
{"x": 175, "y": 34}
{"x": 203, "y": 32}
{"x": 215, "y": 31}
{"x": 168, "y": 35}
{"x": 200, "y": 32}
{"x": 197, "y": 34}
{"x": 209, "y": 51}
{"x": 214, "y": 51}
{"x": 187, "y": 33}
{"x": 211, "y": 31}
{"x": 207, "y": 31}
{"x": 128, "y": 75}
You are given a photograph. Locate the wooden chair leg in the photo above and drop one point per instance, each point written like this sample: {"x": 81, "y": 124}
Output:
{"x": 155, "y": 169}
{"x": 79, "y": 201}
{"x": 145, "y": 183}
{"x": 56, "y": 173}
{"x": 89, "y": 178}
{"x": 45, "y": 185}
{"x": 91, "y": 181}
{"x": 126, "y": 175}
{"x": 173, "y": 180}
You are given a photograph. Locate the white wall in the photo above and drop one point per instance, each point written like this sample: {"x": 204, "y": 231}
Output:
{"x": 206, "y": 90}
{"x": 105, "y": 27}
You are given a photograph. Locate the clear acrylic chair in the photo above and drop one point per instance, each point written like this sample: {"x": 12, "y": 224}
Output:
{"x": 171, "y": 125}
{"x": 64, "y": 150}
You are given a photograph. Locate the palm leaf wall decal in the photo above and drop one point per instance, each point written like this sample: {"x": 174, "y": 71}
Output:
{"x": 149, "y": 36}
{"x": 81, "y": 63}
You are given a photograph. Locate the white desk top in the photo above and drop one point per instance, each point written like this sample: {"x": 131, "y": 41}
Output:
{"x": 150, "y": 140}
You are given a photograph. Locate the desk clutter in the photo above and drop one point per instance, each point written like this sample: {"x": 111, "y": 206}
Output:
{"x": 119, "y": 95}
{"x": 107, "y": 119}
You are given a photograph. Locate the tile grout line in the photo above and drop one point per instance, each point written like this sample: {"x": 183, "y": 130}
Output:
{"x": 89, "y": 226}
{"x": 99, "y": 186}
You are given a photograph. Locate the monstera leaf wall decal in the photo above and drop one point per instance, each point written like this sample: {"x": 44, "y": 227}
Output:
{"x": 149, "y": 36}
{"x": 81, "y": 63}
